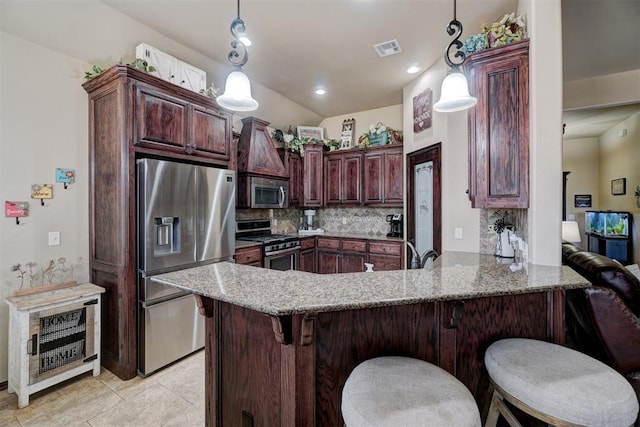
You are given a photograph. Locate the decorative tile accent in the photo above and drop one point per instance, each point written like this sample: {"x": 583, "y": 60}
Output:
{"x": 518, "y": 217}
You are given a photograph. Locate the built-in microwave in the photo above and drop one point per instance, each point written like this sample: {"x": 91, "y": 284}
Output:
{"x": 269, "y": 192}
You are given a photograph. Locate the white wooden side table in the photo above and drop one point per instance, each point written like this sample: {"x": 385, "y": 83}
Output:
{"x": 54, "y": 335}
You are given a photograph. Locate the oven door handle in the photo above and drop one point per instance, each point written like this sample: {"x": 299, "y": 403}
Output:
{"x": 283, "y": 251}
{"x": 282, "y": 196}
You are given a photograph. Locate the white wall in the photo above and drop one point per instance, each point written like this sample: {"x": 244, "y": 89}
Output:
{"x": 390, "y": 116}
{"x": 611, "y": 89}
{"x": 620, "y": 158}
{"x": 581, "y": 156}
{"x": 44, "y": 126}
{"x": 545, "y": 123}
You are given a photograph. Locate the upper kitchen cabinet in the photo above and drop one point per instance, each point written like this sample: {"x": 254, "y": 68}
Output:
{"x": 383, "y": 176}
{"x": 172, "y": 69}
{"x": 343, "y": 178}
{"x": 499, "y": 127}
{"x": 305, "y": 175}
{"x": 167, "y": 121}
{"x": 133, "y": 114}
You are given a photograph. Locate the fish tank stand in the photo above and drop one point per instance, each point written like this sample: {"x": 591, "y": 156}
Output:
{"x": 608, "y": 234}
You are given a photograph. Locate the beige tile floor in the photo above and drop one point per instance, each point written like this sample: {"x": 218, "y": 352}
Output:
{"x": 171, "y": 397}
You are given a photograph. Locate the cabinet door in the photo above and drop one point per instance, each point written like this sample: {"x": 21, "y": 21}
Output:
{"x": 392, "y": 173}
{"x": 385, "y": 262}
{"x": 352, "y": 179}
{"x": 293, "y": 165}
{"x": 307, "y": 261}
{"x": 249, "y": 256}
{"x": 499, "y": 127}
{"x": 333, "y": 180}
{"x": 165, "y": 64}
{"x": 161, "y": 120}
{"x": 328, "y": 262}
{"x": 313, "y": 183}
{"x": 210, "y": 133}
{"x": 351, "y": 262}
{"x": 373, "y": 178}
{"x": 190, "y": 77}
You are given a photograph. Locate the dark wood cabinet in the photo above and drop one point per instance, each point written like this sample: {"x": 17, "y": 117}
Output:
{"x": 383, "y": 176}
{"x": 386, "y": 255}
{"x": 499, "y": 127}
{"x": 305, "y": 175}
{"x": 346, "y": 255}
{"x": 343, "y": 178}
{"x": 307, "y": 255}
{"x": 250, "y": 255}
{"x": 293, "y": 164}
{"x": 313, "y": 176}
{"x": 166, "y": 122}
{"x": 132, "y": 115}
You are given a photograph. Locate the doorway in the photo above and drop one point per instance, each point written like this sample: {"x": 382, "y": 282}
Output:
{"x": 424, "y": 213}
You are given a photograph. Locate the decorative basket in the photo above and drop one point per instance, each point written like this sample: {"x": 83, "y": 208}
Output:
{"x": 381, "y": 138}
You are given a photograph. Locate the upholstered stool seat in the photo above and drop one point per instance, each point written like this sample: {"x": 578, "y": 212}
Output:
{"x": 557, "y": 385}
{"x": 400, "y": 391}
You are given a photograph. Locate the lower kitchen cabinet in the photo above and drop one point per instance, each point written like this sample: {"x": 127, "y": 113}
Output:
{"x": 307, "y": 255}
{"x": 386, "y": 255}
{"x": 251, "y": 255}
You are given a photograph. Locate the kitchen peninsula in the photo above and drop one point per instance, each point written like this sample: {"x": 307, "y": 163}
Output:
{"x": 280, "y": 345}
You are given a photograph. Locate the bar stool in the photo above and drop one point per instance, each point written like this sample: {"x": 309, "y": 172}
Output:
{"x": 401, "y": 391}
{"x": 557, "y": 385}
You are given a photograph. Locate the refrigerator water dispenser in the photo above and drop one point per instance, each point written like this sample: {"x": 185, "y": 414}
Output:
{"x": 167, "y": 236}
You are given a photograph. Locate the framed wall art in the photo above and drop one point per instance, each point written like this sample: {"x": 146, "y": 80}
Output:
{"x": 310, "y": 132}
{"x": 346, "y": 137}
{"x": 619, "y": 186}
{"x": 422, "y": 111}
{"x": 582, "y": 200}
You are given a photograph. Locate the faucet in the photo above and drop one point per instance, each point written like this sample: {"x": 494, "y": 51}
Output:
{"x": 418, "y": 261}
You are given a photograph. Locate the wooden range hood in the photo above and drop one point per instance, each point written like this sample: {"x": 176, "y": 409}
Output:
{"x": 257, "y": 154}
{"x": 257, "y": 158}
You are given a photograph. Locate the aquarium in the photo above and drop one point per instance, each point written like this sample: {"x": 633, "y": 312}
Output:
{"x": 610, "y": 224}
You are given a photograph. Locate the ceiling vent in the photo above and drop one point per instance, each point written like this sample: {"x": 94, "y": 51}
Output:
{"x": 389, "y": 48}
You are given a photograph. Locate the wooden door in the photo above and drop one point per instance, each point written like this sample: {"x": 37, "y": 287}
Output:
{"x": 210, "y": 133}
{"x": 392, "y": 177}
{"x": 352, "y": 179}
{"x": 328, "y": 262}
{"x": 373, "y": 178}
{"x": 307, "y": 261}
{"x": 352, "y": 262}
{"x": 161, "y": 120}
{"x": 293, "y": 164}
{"x": 333, "y": 180}
{"x": 499, "y": 127}
{"x": 313, "y": 182}
{"x": 424, "y": 212}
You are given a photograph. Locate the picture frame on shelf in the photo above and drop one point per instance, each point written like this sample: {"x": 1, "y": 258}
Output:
{"x": 310, "y": 132}
{"x": 346, "y": 137}
{"x": 619, "y": 186}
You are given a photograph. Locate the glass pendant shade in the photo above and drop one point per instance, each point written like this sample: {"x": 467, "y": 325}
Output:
{"x": 237, "y": 93}
{"x": 454, "y": 95}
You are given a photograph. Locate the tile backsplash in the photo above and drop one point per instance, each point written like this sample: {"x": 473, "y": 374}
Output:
{"x": 361, "y": 220}
{"x": 518, "y": 218}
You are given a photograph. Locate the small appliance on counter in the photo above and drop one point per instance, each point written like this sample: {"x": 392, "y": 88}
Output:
{"x": 309, "y": 224}
{"x": 395, "y": 225}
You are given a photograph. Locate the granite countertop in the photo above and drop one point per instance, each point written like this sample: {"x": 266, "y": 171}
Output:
{"x": 455, "y": 275}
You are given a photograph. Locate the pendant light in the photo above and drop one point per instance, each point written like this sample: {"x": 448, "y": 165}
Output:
{"x": 237, "y": 88}
{"x": 454, "y": 95}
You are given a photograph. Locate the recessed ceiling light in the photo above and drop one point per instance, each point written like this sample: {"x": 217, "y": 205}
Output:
{"x": 320, "y": 91}
{"x": 413, "y": 69}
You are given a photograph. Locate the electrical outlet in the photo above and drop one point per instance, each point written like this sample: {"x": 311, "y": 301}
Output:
{"x": 490, "y": 229}
{"x": 54, "y": 238}
{"x": 457, "y": 233}
{"x": 344, "y": 221}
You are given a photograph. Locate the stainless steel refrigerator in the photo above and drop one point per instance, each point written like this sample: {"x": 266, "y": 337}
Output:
{"x": 186, "y": 218}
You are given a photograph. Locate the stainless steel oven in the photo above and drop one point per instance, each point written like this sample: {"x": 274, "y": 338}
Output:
{"x": 279, "y": 251}
{"x": 282, "y": 259}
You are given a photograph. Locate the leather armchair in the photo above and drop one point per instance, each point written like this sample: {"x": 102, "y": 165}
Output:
{"x": 603, "y": 320}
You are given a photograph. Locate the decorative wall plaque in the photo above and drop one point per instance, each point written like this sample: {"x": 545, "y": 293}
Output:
{"x": 422, "y": 111}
